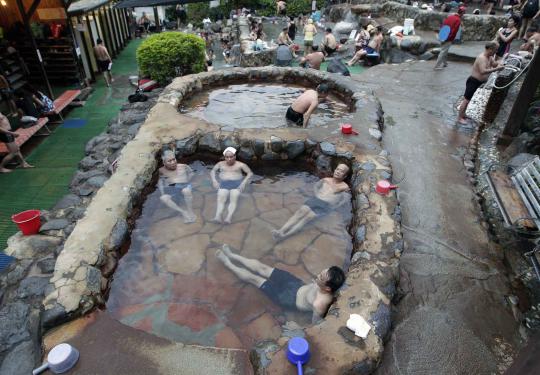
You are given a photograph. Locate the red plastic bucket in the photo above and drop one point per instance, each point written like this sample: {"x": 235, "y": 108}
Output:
{"x": 348, "y": 129}
{"x": 383, "y": 187}
{"x": 27, "y": 221}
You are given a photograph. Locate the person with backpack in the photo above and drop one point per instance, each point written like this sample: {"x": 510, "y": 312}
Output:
{"x": 529, "y": 12}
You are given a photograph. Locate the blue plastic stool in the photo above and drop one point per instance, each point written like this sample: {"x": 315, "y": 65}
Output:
{"x": 298, "y": 352}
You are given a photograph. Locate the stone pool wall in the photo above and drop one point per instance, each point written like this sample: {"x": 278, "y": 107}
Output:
{"x": 475, "y": 27}
{"x": 89, "y": 255}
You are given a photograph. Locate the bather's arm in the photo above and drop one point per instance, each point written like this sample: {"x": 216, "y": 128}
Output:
{"x": 213, "y": 172}
{"x": 248, "y": 173}
{"x": 160, "y": 186}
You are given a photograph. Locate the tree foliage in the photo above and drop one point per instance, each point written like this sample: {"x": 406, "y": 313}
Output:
{"x": 167, "y": 55}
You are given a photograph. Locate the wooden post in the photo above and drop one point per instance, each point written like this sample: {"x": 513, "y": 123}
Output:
{"x": 107, "y": 35}
{"x": 156, "y": 17}
{"x": 35, "y": 46}
{"x": 87, "y": 50}
{"x": 523, "y": 99}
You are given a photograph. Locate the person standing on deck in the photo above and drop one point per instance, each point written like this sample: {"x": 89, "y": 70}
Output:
{"x": 454, "y": 23}
{"x": 483, "y": 66}
{"x": 104, "y": 61}
{"x": 309, "y": 34}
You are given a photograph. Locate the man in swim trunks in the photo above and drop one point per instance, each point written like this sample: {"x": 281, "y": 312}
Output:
{"x": 173, "y": 183}
{"x": 313, "y": 60}
{"x": 232, "y": 183}
{"x": 330, "y": 193}
{"x": 329, "y": 43}
{"x": 302, "y": 108}
{"x": 8, "y": 137}
{"x": 483, "y": 66}
{"x": 283, "y": 288}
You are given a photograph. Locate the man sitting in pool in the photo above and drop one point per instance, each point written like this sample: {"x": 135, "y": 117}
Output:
{"x": 330, "y": 193}
{"x": 283, "y": 288}
{"x": 302, "y": 108}
{"x": 232, "y": 183}
{"x": 173, "y": 182}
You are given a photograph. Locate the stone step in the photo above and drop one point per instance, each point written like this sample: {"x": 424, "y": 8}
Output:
{"x": 107, "y": 346}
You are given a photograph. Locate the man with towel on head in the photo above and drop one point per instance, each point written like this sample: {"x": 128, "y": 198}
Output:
{"x": 231, "y": 183}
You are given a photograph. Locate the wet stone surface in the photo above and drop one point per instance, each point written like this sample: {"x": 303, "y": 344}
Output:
{"x": 171, "y": 283}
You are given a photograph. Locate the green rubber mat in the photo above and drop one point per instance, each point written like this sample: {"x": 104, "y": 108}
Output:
{"x": 58, "y": 154}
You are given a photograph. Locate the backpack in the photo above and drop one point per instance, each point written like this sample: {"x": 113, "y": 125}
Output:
{"x": 137, "y": 97}
{"x": 530, "y": 9}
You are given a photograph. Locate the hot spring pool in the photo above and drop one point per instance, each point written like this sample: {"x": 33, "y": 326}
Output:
{"x": 258, "y": 106}
{"x": 170, "y": 282}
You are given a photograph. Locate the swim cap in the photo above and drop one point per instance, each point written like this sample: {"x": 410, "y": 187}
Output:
{"x": 232, "y": 150}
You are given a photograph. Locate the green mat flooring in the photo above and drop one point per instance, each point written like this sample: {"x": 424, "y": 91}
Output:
{"x": 58, "y": 154}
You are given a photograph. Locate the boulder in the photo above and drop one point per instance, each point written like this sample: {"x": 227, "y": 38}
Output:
{"x": 55, "y": 224}
{"x": 32, "y": 286}
{"x": 186, "y": 146}
{"x": 29, "y": 247}
{"x": 13, "y": 324}
{"x": 294, "y": 148}
{"x": 69, "y": 200}
{"x": 209, "y": 142}
{"x": 328, "y": 148}
{"x": 20, "y": 360}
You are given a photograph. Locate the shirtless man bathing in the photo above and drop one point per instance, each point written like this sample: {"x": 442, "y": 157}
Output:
{"x": 8, "y": 137}
{"x": 173, "y": 183}
{"x": 302, "y": 108}
{"x": 231, "y": 183}
{"x": 330, "y": 193}
{"x": 283, "y": 288}
{"x": 483, "y": 66}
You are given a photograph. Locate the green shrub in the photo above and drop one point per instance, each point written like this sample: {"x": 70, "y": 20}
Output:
{"x": 167, "y": 55}
{"x": 294, "y": 7}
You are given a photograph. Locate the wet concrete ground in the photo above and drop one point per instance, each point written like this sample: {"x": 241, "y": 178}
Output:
{"x": 452, "y": 316}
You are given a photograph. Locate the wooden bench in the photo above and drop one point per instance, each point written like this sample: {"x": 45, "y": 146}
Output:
{"x": 518, "y": 195}
{"x": 26, "y": 133}
{"x": 62, "y": 102}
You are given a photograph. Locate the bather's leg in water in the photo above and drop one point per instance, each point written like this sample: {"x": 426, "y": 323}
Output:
{"x": 188, "y": 198}
{"x": 222, "y": 196}
{"x": 233, "y": 202}
{"x": 241, "y": 273}
{"x": 300, "y": 218}
{"x": 251, "y": 264}
{"x": 168, "y": 201}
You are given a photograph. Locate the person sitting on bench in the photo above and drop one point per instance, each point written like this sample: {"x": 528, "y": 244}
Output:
{"x": 8, "y": 137}
{"x": 41, "y": 101}
{"x": 282, "y": 287}
{"x": 373, "y": 48}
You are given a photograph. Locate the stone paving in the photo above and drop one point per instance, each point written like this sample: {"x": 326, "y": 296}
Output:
{"x": 185, "y": 294}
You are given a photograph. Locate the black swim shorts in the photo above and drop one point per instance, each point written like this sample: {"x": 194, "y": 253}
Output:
{"x": 103, "y": 65}
{"x": 7, "y": 138}
{"x": 175, "y": 191}
{"x": 471, "y": 86}
{"x": 297, "y": 118}
{"x": 282, "y": 287}
{"x": 318, "y": 206}
{"x": 230, "y": 184}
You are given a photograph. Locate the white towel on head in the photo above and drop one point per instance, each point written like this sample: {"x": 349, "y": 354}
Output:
{"x": 229, "y": 149}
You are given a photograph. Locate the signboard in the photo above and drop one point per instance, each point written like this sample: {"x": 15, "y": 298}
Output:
{"x": 52, "y": 14}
